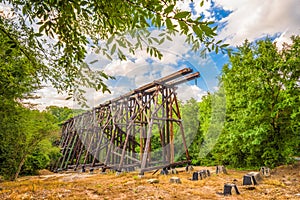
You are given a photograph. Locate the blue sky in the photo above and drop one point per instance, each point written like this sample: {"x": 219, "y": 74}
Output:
{"x": 237, "y": 20}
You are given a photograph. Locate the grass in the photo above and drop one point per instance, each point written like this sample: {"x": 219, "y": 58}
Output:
{"x": 131, "y": 186}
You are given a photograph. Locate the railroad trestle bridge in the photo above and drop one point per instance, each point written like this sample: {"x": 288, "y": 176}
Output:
{"x": 118, "y": 133}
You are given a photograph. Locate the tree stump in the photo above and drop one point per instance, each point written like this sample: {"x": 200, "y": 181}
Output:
{"x": 164, "y": 171}
{"x": 265, "y": 171}
{"x": 83, "y": 169}
{"x": 221, "y": 169}
{"x": 189, "y": 168}
{"x": 195, "y": 176}
{"x": 175, "y": 180}
{"x": 228, "y": 187}
{"x": 153, "y": 180}
{"x": 251, "y": 178}
{"x": 174, "y": 171}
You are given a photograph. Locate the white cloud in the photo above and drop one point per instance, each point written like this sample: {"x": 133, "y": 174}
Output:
{"x": 186, "y": 92}
{"x": 129, "y": 74}
{"x": 5, "y": 11}
{"x": 283, "y": 38}
{"x": 49, "y": 96}
{"x": 166, "y": 70}
{"x": 99, "y": 61}
{"x": 198, "y": 10}
{"x": 255, "y": 19}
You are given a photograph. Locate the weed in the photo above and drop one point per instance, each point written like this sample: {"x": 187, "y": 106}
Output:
{"x": 98, "y": 192}
{"x": 274, "y": 182}
{"x": 33, "y": 187}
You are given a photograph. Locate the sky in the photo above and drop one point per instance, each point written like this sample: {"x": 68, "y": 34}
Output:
{"x": 237, "y": 20}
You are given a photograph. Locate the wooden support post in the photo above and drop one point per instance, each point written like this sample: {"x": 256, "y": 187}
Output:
{"x": 146, "y": 150}
{"x": 81, "y": 150}
{"x": 171, "y": 132}
{"x": 181, "y": 130}
{"x": 70, "y": 151}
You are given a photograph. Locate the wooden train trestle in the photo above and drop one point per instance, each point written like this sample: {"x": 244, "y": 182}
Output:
{"x": 118, "y": 133}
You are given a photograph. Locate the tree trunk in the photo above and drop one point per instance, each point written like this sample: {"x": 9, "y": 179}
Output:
{"x": 20, "y": 167}
{"x": 26, "y": 153}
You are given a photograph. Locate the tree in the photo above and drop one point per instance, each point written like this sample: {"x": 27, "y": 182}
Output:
{"x": 37, "y": 129}
{"x": 22, "y": 131}
{"x": 191, "y": 125}
{"x": 17, "y": 72}
{"x": 212, "y": 118}
{"x": 262, "y": 102}
{"x": 62, "y": 114}
{"x": 26, "y": 138}
{"x": 58, "y": 33}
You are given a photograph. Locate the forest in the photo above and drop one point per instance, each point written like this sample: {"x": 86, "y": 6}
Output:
{"x": 252, "y": 120}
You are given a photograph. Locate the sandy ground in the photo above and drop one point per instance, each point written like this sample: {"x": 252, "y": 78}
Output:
{"x": 284, "y": 183}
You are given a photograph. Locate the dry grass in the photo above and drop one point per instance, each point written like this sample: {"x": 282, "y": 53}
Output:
{"x": 283, "y": 184}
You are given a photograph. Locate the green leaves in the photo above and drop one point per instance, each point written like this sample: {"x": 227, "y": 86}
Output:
{"x": 113, "y": 49}
{"x": 260, "y": 105}
{"x": 183, "y": 27}
{"x": 208, "y": 31}
{"x": 169, "y": 9}
{"x": 154, "y": 52}
{"x": 27, "y": 136}
{"x": 181, "y": 15}
{"x": 110, "y": 39}
{"x": 169, "y": 24}
{"x": 202, "y": 3}
{"x": 197, "y": 30}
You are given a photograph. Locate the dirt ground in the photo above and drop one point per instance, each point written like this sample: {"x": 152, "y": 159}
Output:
{"x": 282, "y": 184}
